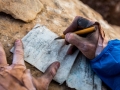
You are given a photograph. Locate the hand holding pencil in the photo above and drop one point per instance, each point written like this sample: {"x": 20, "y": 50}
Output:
{"x": 88, "y": 44}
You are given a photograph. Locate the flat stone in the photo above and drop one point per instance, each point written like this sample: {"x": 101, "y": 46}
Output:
{"x": 25, "y": 10}
{"x": 81, "y": 76}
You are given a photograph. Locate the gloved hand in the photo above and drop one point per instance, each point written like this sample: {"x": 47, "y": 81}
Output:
{"x": 17, "y": 77}
{"x": 90, "y": 45}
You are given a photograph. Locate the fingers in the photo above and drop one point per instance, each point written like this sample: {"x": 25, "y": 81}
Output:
{"x": 78, "y": 24}
{"x": 86, "y": 44}
{"x": 50, "y": 73}
{"x": 71, "y": 50}
{"x": 73, "y": 39}
{"x": 72, "y": 27}
{"x": 2, "y": 55}
{"x": 18, "y": 53}
{"x": 83, "y": 44}
{"x": 27, "y": 80}
{"x": 42, "y": 83}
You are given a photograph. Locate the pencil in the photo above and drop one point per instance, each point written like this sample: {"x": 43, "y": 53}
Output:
{"x": 80, "y": 32}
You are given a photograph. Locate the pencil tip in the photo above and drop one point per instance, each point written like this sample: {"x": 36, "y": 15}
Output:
{"x": 57, "y": 38}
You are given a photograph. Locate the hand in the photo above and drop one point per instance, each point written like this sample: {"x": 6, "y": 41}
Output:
{"x": 91, "y": 44}
{"x": 17, "y": 77}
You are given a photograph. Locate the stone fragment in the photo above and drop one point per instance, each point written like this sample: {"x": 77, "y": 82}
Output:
{"x": 25, "y": 10}
{"x": 81, "y": 76}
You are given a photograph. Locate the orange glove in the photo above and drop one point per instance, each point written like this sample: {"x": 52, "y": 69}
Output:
{"x": 91, "y": 44}
{"x": 17, "y": 77}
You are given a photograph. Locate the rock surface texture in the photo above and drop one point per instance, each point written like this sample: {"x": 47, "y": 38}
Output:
{"x": 25, "y": 10}
{"x": 55, "y": 15}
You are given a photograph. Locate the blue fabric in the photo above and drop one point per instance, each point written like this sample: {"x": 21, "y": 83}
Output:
{"x": 107, "y": 64}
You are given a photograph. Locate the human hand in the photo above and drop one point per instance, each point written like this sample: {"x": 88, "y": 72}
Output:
{"x": 17, "y": 77}
{"x": 91, "y": 44}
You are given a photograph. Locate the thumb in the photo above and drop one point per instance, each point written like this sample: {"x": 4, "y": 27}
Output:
{"x": 83, "y": 44}
{"x": 74, "y": 39}
{"x": 49, "y": 74}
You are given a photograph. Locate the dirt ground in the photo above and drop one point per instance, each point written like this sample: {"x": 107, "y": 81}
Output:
{"x": 109, "y": 9}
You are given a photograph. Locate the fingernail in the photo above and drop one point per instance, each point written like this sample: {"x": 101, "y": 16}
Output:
{"x": 67, "y": 36}
{"x": 17, "y": 40}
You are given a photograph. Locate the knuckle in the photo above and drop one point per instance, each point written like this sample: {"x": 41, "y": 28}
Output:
{"x": 18, "y": 44}
{"x": 85, "y": 47}
{"x": 17, "y": 51}
{"x": 71, "y": 37}
{"x": 53, "y": 72}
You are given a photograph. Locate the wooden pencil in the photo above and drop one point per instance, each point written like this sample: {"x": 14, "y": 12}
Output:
{"x": 80, "y": 32}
